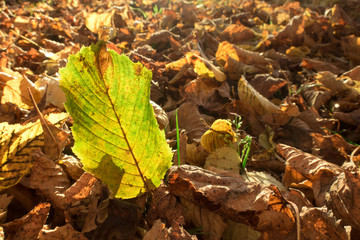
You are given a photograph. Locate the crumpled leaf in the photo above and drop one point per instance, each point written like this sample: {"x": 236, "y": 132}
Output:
{"x": 208, "y": 93}
{"x": 351, "y": 118}
{"x": 326, "y": 183}
{"x": 316, "y": 122}
{"x": 219, "y": 135}
{"x": 267, "y": 85}
{"x": 330, "y": 81}
{"x": 228, "y": 195}
{"x": 165, "y": 206}
{"x": 176, "y": 231}
{"x": 17, "y": 142}
{"x": 115, "y": 131}
{"x": 320, "y": 223}
{"x": 72, "y": 166}
{"x": 48, "y": 178}
{"x": 332, "y": 148}
{"x": 317, "y": 97}
{"x": 63, "y": 232}
{"x": 236, "y": 33}
{"x": 29, "y": 226}
{"x": 82, "y": 200}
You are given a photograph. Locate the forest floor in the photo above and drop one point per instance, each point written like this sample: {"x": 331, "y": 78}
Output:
{"x": 282, "y": 79}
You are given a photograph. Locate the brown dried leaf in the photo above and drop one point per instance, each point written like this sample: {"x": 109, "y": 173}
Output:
{"x": 318, "y": 66}
{"x": 227, "y": 49}
{"x": 55, "y": 96}
{"x": 81, "y": 189}
{"x": 306, "y": 169}
{"x": 316, "y": 122}
{"x": 165, "y": 206}
{"x": 249, "y": 96}
{"x": 208, "y": 93}
{"x": 354, "y": 73}
{"x": 231, "y": 197}
{"x": 267, "y": 85}
{"x": 82, "y": 200}
{"x": 29, "y": 226}
{"x": 296, "y": 133}
{"x": 48, "y": 178}
{"x": 330, "y": 81}
{"x": 352, "y": 118}
{"x": 330, "y": 184}
{"x": 235, "y": 33}
{"x": 195, "y": 154}
{"x": 158, "y": 231}
{"x": 317, "y": 98}
{"x": 342, "y": 198}
{"x": 176, "y": 231}
{"x": 351, "y": 47}
{"x": 72, "y": 166}
{"x": 320, "y": 223}
{"x": 65, "y": 232}
{"x": 212, "y": 225}
{"x": 189, "y": 119}
{"x": 294, "y": 32}
{"x": 332, "y": 148}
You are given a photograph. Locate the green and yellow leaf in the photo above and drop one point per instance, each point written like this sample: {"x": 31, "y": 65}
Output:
{"x": 116, "y": 134}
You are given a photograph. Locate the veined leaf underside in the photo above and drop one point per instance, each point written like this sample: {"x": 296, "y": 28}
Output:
{"x": 114, "y": 124}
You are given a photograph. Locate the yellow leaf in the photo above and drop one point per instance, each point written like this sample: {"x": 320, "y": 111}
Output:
{"x": 201, "y": 69}
{"x": 94, "y": 21}
{"x": 15, "y": 91}
{"x": 17, "y": 142}
{"x": 219, "y": 135}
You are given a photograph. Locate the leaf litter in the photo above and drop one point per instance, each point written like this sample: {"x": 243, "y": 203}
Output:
{"x": 283, "y": 73}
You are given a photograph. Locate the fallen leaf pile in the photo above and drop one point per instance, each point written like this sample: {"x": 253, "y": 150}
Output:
{"x": 273, "y": 85}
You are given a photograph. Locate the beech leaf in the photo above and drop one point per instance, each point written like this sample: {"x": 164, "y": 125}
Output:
{"x": 116, "y": 134}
